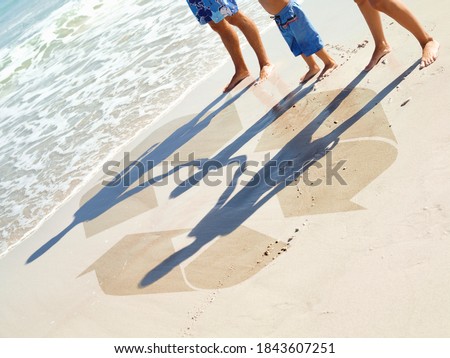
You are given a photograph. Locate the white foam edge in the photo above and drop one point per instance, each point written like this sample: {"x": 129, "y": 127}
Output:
{"x": 128, "y": 143}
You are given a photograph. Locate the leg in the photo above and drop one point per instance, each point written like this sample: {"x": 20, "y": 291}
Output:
{"x": 373, "y": 19}
{"x": 330, "y": 64}
{"x": 303, "y": 39}
{"x": 400, "y": 13}
{"x": 313, "y": 69}
{"x": 251, "y": 33}
{"x": 231, "y": 41}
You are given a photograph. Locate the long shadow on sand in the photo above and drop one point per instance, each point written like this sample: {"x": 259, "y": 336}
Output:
{"x": 290, "y": 162}
{"x": 116, "y": 191}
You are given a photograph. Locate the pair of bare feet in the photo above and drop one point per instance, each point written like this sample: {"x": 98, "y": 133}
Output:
{"x": 430, "y": 53}
{"x": 315, "y": 69}
{"x": 239, "y": 76}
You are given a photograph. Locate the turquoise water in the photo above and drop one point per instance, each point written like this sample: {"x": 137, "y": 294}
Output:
{"x": 78, "y": 79}
{"x": 17, "y": 17}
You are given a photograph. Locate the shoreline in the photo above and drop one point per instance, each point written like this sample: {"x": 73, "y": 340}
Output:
{"x": 110, "y": 156}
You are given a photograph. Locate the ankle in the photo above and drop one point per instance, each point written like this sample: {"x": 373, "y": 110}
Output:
{"x": 382, "y": 46}
{"x": 241, "y": 70}
{"x": 426, "y": 41}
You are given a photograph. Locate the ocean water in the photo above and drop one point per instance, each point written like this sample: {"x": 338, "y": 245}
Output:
{"x": 78, "y": 79}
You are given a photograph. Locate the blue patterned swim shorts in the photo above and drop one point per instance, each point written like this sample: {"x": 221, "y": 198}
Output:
{"x": 212, "y": 10}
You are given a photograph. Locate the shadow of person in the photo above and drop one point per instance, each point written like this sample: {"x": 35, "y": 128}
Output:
{"x": 116, "y": 191}
{"x": 225, "y": 156}
{"x": 289, "y": 163}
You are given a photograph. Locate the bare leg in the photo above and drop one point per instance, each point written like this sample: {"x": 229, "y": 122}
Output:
{"x": 330, "y": 64}
{"x": 251, "y": 33}
{"x": 400, "y": 13}
{"x": 231, "y": 41}
{"x": 373, "y": 20}
{"x": 313, "y": 69}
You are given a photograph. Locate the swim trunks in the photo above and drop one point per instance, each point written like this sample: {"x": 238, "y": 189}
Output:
{"x": 212, "y": 10}
{"x": 298, "y": 32}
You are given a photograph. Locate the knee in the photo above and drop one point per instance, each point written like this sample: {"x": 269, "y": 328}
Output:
{"x": 237, "y": 19}
{"x": 378, "y": 4}
{"x": 219, "y": 27}
{"x": 360, "y": 2}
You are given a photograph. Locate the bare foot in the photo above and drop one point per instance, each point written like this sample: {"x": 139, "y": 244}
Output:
{"x": 330, "y": 67}
{"x": 237, "y": 78}
{"x": 310, "y": 74}
{"x": 265, "y": 72}
{"x": 378, "y": 54}
{"x": 429, "y": 54}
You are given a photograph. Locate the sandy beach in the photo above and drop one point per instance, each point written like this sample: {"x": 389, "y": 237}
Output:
{"x": 347, "y": 234}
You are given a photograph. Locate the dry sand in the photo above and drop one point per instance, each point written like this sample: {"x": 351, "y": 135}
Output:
{"x": 368, "y": 258}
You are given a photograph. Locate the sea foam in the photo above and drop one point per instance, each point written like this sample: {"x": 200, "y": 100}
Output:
{"x": 83, "y": 81}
